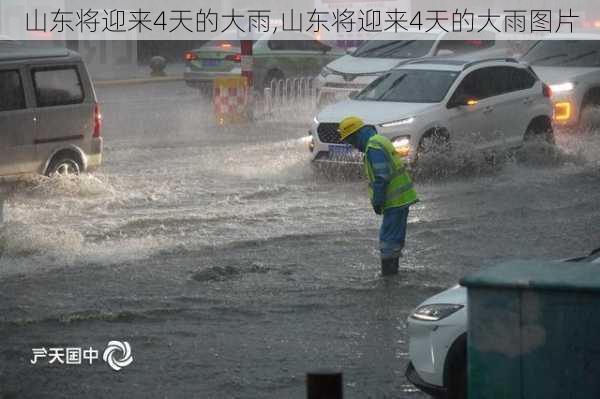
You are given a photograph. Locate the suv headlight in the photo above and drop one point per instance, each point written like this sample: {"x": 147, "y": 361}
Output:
{"x": 562, "y": 87}
{"x": 402, "y": 145}
{"x": 401, "y": 122}
{"x": 435, "y": 312}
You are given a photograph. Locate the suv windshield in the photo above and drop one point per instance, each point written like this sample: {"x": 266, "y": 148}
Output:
{"x": 410, "y": 86}
{"x": 568, "y": 53}
{"x": 394, "y": 48}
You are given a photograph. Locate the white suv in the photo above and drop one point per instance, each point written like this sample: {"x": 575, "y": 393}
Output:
{"x": 572, "y": 69}
{"x": 437, "y": 331}
{"x": 373, "y": 58}
{"x": 489, "y": 104}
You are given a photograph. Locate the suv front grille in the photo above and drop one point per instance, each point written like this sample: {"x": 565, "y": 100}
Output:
{"x": 328, "y": 133}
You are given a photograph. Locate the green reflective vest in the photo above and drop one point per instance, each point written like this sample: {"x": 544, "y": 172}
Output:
{"x": 399, "y": 191}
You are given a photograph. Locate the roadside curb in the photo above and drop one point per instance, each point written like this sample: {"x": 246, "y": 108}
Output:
{"x": 131, "y": 82}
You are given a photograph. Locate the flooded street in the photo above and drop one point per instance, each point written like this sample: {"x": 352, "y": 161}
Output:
{"x": 232, "y": 268}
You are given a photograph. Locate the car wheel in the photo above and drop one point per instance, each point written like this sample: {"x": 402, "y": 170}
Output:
{"x": 540, "y": 130}
{"x": 455, "y": 373}
{"x": 432, "y": 158}
{"x": 457, "y": 389}
{"x": 433, "y": 141}
{"x": 590, "y": 118}
{"x": 63, "y": 166}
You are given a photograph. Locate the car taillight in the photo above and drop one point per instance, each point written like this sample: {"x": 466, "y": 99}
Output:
{"x": 546, "y": 91}
{"x": 97, "y": 121}
{"x": 190, "y": 56}
{"x": 234, "y": 58}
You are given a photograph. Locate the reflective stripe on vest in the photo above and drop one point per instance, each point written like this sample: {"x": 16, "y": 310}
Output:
{"x": 400, "y": 191}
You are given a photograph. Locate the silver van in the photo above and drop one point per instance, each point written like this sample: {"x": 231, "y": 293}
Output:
{"x": 50, "y": 121}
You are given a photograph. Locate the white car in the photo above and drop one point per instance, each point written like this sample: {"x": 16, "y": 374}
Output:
{"x": 274, "y": 58}
{"x": 489, "y": 104}
{"x": 572, "y": 69}
{"x": 354, "y": 71}
{"x": 437, "y": 331}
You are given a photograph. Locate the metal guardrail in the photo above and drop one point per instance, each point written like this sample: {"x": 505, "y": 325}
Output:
{"x": 291, "y": 93}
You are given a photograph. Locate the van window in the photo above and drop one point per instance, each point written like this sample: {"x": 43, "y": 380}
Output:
{"x": 11, "y": 91}
{"x": 57, "y": 86}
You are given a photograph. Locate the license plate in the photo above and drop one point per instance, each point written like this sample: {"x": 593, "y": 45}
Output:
{"x": 211, "y": 63}
{"x": 344, "y": 152}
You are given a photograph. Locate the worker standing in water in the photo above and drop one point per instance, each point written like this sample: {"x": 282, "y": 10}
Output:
{"x": 390, "y": 187}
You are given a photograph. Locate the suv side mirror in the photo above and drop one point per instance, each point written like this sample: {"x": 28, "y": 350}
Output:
{"x": 461, "y": 100}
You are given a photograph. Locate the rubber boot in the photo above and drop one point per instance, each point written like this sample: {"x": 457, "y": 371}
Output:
{"x": 389, "y": 266}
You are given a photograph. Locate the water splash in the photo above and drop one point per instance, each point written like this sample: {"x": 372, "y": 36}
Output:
{"x": 464, "y": 160}
{"x": 22, "y": 240}
{"x": 82, "y": 186}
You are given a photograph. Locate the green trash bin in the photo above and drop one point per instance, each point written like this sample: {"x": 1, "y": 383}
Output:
{"x": 534, "y": 331}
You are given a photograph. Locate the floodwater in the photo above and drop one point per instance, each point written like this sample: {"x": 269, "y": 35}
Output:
{"x": 232, "y": 269}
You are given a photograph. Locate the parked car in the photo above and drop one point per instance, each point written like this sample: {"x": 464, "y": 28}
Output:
{"x": 373, "y": 58}
{"x": 441, "y": 102}
{"x": 273, "y": 58}
{"x": 49, "y": 114}
{"x": 437, "y": 331}
{"x": 572, "y": 69}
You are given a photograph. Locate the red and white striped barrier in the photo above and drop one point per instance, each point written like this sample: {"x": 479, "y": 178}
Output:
{"x": 231, "y": 97}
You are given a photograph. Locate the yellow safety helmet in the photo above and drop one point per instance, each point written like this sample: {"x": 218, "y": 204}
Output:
{"x": 349, "y": 126}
